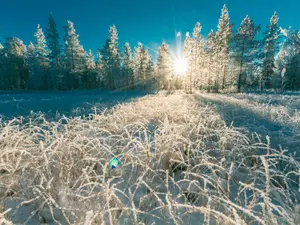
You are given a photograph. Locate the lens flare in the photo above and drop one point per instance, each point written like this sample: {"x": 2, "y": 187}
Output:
{"x": 114, "y": 163}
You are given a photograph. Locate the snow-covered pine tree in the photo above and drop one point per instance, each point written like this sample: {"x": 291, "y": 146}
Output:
{"x": 15, "y": 64}
{"x": 211, "y": 60}
{"x": 187, "y": 55}
{"x": 81, "y": 69}
{"x": 223, "y": 39}
{"x": 113, "y": 58}
{"x": 100, "y": 71}
{"x": 41, "y": 78}
{"x": 270, "y": 43}
{"x": 90, "y": 64}
{"x": 89, "y": 75}
{"x": 146, "y": 68}
{"x": 197, "y": 56}
{"x": 54, "y": 46}
{"x": 293, "y": 66}
{"x": 245, "y": 48}
{"x": 151, "y": 80}
{"x": 155, "y": 81}
{"x": 285, "y": 52}
{"x": 74, "y": 57}
{"x": 127, "y": 69}
{"x": 164, "y": 67}
{"x": 137, "y": 65}
{"x": 283, "y": 58}
{"x": 293, "y": 73}
{"x": 32, "y": 67}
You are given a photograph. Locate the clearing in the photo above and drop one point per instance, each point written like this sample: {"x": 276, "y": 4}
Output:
{"x": 186, "y": 159}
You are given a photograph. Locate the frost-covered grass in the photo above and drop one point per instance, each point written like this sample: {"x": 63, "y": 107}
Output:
{"x": 280, "y": 109}
{"x": 181, "y": 164}
{"x": 284, "y": 108}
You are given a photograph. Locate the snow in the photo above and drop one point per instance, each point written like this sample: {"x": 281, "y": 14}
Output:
{"x": 156, "y": 123}
{"x": 69, "y": 103}
{"x": 273, "y": 115}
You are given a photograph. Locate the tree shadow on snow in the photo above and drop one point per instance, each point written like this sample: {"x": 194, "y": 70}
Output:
{"x": 68, "y": 103}
{"x": 273, "y": 92}
{"x": 241, "y": 117}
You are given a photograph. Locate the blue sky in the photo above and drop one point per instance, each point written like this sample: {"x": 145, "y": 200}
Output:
{"x": 150, "y": 22}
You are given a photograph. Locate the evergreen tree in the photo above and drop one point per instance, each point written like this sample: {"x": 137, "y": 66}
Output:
{"x": 284, "y": 54}
{"x": 15, "y": 63}
{"x": 54, "y": 56}
{"x": 245, "y": 49}
{"x": 164, "y": 66}
{"x": 82, "y": 62}
{"x": 147, "y": 68}
{"x": 211, "y": 62}
{"x": 151, "y": 80}
{"x": 187, "y": 55}
{"x": 270, "y": 47}
{"x": 42, "y": 78}
{"x": 197, "y": 57}
{"x": 74, "y": 57}
{"x": 128, "y": 74}
{"x": 293, "y": 66}
{"x": 113, "y": 58}
{"x": 89, "y": 76}
{"x": 100, "y": 71}
{"x": 137, "y": 65}
{"x": 293, "y": 73}
{"x": 284, "y": 57}
{"x": 32, "y": 67}
{"x": 90, "y": 64}
{"x": 223, "y": 39}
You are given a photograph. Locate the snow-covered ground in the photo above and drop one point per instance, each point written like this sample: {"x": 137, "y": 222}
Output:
{"x": 55, "y": 104}
{"x": 273, "y": 115}
{"x": 185, "y": 159}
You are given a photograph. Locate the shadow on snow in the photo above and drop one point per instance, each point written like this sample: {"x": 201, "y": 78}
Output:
{"x": 56, "y": 104}
{"x": 279, "y": 134}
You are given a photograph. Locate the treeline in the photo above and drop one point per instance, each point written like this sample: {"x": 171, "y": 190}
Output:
{"x": 46, "y": 65}
{"x": 234, "y": 59}
{"x": 228, "y": 59}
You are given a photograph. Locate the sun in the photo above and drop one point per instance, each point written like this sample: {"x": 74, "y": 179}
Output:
{"x": 180, "y": 66}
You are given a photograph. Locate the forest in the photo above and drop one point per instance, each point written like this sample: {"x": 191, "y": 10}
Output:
{"x": 229, "y": 59}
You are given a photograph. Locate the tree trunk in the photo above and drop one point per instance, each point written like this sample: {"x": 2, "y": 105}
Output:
{"x": 261, "y": 84}
{"x": 241, "y": 69}
{"x": 224, "y": 79}
{"x": 239, "y": 83}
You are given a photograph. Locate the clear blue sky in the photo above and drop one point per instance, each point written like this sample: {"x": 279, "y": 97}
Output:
{"x": 150, "y": 21}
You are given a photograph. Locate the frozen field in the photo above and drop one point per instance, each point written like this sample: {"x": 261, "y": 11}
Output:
{"x": 55, "y": 104}
{"x": 186, "y": 159}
